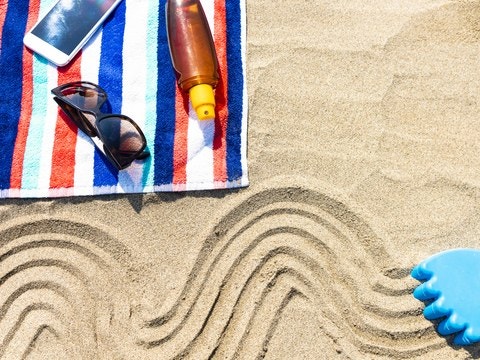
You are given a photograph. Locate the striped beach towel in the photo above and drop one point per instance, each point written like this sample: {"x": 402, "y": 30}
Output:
{"x": 42, "y": 155}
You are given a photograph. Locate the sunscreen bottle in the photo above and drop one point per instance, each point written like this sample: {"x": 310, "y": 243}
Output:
{"x": 193, "y": 54}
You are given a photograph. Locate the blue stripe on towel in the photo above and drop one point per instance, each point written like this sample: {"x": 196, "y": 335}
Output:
{"x": 11, "y": 66}
{"x": 110, "y": 78}
{"x": 235, "y": 89}
{"x": 151, "y": 89}
{"x": 165, "y": 131}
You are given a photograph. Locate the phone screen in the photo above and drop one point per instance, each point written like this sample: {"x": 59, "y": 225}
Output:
{"x": 69, "y": 21}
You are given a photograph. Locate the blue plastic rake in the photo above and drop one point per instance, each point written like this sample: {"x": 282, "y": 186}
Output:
{"x": 451, "y": 287}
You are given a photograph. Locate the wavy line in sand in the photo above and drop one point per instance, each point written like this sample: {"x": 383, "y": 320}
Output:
{"x": 53, "y": 280}
{"x": 275, "y": 246}
{"x": 321, "y": 244}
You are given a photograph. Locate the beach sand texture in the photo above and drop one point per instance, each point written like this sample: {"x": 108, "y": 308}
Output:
{"x": 363, "y": 161}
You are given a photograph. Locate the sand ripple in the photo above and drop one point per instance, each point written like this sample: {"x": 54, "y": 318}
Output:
{"x": 275, "y": 247}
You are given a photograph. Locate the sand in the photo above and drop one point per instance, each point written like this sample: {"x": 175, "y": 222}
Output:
{"x": 363, "y": 161}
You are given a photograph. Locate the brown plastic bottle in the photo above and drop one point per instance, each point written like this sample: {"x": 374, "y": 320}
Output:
{"x": 193, "y": 54}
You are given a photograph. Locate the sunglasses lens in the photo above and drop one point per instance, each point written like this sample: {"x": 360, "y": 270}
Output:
{"x": 87, "y": 98}
{"x": 84, "y": 121}
{"x": 122, "y": 138}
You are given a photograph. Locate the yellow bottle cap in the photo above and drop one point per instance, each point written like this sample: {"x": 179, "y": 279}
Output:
{"x": 203, "y": 101}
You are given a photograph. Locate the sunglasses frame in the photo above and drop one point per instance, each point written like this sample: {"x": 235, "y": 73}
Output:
{"x": 86, "y": 126}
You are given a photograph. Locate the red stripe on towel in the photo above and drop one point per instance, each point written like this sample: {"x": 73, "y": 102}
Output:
{"x": 63, "y": 155}
{"x": 180, "y": 147}
{"x": 26, "y": 107}
{"x": 221, "y": 117}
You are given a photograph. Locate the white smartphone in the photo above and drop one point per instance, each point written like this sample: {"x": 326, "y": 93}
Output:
{"x": 62, "y": 32}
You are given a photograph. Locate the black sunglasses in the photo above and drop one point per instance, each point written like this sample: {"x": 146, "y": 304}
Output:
{"x": 123, "y": 141}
